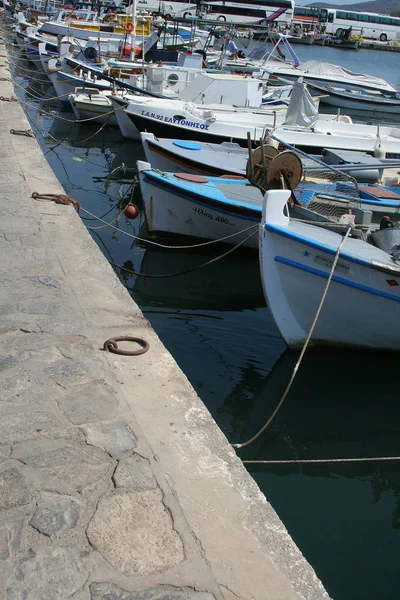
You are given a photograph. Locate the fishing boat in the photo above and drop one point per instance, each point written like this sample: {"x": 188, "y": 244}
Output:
{"x": 111, "y": 25}
{"x": 227, "y": 207}
{"x": 299, "y": 127}
{"x": 283, "y": 62}
{"x": 201, "y": 158}
{"x": 205, "y": 208}
{"x": 216, "y": 207}
{"x": 358, "y": 100}
{"x": 361, "y": 308}
{"x": 205, "y": 158}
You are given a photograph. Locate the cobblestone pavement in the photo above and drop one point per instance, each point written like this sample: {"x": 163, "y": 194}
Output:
{"x": 115, "y": 482}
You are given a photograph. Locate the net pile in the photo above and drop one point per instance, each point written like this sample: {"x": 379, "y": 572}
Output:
{"x": 323, "y": 189}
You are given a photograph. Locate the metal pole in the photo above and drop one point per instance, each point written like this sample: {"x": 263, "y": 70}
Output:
{"x": 133, "y": 34}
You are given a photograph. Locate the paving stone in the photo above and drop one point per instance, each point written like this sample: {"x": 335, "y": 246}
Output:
{"x": 48, "y": 573}
{"x": 60, "y": 326}
{"x": 11, "y": 529}
{"x": 13, "y": 489}
{"x": 48, "y": 281}
{"x": 19, "y": 426}
{"x": 41, "y": 307}
{"x": 18, "y": 385}
{"x": 134, "y": 473}
{"x": 134, "y": 532}
{"x": 50, "y": 354}
{"x": 69, "y": 372}
{"x": 111, "y": 591}
{"x": 90, "y": 403}
{"x": 8, "y": 309}
{"x": 67, "y": 465}
{"x": 57, "y": 512}
{"x": 6, "y": 362}
{"x": 115, "y": 438}
{"x": 8, "y": 325}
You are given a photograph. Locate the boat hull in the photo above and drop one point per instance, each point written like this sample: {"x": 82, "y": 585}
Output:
{"x": 326, "y": 134}
{"x": 362, "y": 306}
{"x": 92, "y": 108}
{"x": 171, "y": 210}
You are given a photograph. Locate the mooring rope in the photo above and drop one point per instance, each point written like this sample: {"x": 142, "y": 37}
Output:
{"x": 196, "y": 268}
{"x": 320, "y": 460}
{"x": 49, "y": 197}
{"x": 298, "y": 363}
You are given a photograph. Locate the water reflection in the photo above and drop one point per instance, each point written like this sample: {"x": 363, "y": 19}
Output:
{"x": 344, "y": 516}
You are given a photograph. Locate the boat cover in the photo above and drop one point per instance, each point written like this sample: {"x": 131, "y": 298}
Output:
{"x": 301, "y": 110}
{"x": 317, "y": 67}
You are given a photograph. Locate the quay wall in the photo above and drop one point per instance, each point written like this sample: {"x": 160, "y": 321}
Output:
{"x": 115, "y": 481}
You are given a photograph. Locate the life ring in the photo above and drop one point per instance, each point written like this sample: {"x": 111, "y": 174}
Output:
{"x": 129, "y": 27}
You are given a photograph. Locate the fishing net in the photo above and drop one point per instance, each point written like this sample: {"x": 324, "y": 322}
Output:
{"x": 315, "y": 185}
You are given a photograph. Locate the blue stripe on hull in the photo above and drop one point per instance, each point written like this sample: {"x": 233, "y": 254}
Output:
{"x": 191, "y": 196}
{"x": 337, "y": 279}
{"x": 317, "y": 245}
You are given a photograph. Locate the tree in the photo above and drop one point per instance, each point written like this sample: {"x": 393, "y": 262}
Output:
{"x": 395, "y": 13}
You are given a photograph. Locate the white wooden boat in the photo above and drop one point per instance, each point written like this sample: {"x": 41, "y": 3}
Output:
{"x": 358, "y": 100}
{"x": 202, "y": 158}
{"x": 283, "y": 62}
{"x": 206, "y": 208}
{"x": 216, "y": 124}
{"x": 178, "y": 203}
{"x": 362, "y": 306}
{"x": 91, "y": 104}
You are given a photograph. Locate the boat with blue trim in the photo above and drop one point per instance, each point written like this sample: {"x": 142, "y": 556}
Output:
{"x": 362, "y": 305}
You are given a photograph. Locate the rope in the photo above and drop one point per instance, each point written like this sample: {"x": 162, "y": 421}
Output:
{"x": 177, "y": 273}
{"x": 58, "y": 118}
{"x": 12, "y": 99}
{"x": 298, "y": 363}
{"x": 58, "y": 199}
{"x": 25, "y": 132}
{"x": 167, "y": 247}
{"x": 318, "y": 460}
{"x": 50, "y": 197}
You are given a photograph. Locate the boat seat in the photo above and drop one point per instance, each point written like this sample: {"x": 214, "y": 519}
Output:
{"x": 387, "y": 239}
{"x": 247, "y": 194}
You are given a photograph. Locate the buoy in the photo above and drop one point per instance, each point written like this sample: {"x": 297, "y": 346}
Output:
{"x": 129, "y": 27}
{"x": 131, "y": 211}
{"x": 379, "y": 150}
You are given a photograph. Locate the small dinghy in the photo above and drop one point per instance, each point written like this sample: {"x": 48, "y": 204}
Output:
{"x": 362, "y": 305}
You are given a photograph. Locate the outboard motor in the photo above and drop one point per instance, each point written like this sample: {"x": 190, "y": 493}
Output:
{"x": 387, "y": 238}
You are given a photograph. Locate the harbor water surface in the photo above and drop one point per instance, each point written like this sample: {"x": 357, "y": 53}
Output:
{"x": 345, "y": 517}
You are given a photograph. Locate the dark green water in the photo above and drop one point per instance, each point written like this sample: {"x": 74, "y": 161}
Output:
{"x": 344, "y": 517}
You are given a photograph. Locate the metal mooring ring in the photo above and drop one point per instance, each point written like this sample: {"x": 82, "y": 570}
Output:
{"x": 112, "y": 346}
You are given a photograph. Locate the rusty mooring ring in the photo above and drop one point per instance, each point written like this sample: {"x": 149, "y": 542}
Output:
{"x": 112, "y": 346}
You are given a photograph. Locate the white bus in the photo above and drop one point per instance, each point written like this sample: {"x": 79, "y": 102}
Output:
{"x": 170, "y": 9}
{"x": 370, "y": 25}
{"x": 272, "y": 12}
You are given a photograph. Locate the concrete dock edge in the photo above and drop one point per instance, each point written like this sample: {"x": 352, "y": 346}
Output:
{"x": 115, "y": 481}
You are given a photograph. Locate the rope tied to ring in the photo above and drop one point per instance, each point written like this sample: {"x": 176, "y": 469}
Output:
{"x": 112, "y": 346}
{"x": 8, "y": 99}
{"x": 25, "y": 132}
{"x": 58, "y": 199}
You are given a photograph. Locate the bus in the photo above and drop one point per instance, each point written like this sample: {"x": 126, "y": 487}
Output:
{"x": 274, "y": 12}
{"x": 369, "y": 25}
{"x": 310, "y": 15}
